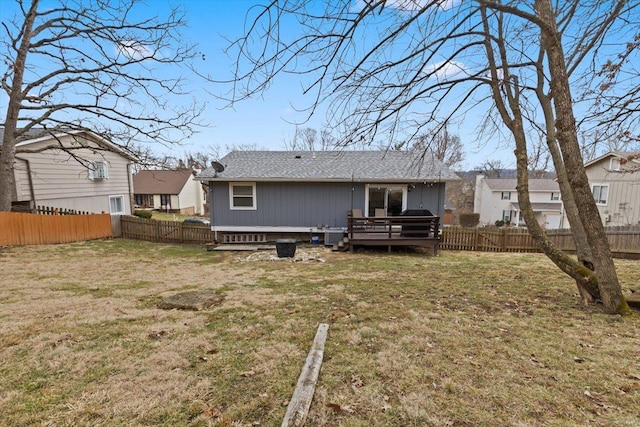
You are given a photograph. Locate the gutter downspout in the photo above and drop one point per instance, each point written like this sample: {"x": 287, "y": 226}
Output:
{"x": 130, "y": 185}
{"x": 31, "y": 189}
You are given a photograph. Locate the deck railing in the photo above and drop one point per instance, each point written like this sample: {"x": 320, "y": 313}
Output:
{"x": 419, "y": 227}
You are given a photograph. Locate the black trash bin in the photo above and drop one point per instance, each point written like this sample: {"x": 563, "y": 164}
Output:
{"x": 286, "y": 248}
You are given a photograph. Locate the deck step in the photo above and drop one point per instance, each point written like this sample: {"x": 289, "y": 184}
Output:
{"x": 341, "y": 246}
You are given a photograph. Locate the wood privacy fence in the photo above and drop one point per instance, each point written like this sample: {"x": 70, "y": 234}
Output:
{"x": 623, "y": 241}
{"x": 32, "y": 229}
{"x": 164, "y": 231}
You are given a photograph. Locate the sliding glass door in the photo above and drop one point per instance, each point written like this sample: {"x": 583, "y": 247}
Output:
{"x": 390, "y": 199}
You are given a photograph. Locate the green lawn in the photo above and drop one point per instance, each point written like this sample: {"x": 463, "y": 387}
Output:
{"x": 462, "y": 339}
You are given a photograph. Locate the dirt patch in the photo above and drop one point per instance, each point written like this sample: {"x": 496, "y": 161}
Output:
{"x": 192, "y": 300}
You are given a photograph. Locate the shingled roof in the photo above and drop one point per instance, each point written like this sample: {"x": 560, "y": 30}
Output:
{"x": 508, "y": 184}
{"x": 378, "y": 166}
{"x": 161, "y": 181}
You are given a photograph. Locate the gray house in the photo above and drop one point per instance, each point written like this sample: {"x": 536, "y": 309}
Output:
{"x": 306, "y": 192}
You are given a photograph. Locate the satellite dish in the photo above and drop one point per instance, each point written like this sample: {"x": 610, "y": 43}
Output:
{"x": 218, "y": 167}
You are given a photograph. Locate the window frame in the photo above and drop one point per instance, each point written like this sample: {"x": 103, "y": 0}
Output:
{"x": 507, "y": 193}
{"x": 557, "y": 194}
{"x": 616, "y": 164}
{"x": 598, "y": 200}
{"x": 505, "y": 218}
{"x": 98, "y": 166}
{"x": 122, "y": 211}
{"x": 232, "y": 196}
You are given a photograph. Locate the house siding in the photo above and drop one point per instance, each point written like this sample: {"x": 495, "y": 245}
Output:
{"x": 623, "y": 201}
{"x": 490, "y": 205}
{"x": 289, "y": 204}
{"x": 61, "y": 181}
{"x": 427, "y": 196}
{"x": 309, "y": 204}
{"x": 190, "y": 197}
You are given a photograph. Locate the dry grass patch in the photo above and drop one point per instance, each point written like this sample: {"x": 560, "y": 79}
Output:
{"x": 462, "y": 339}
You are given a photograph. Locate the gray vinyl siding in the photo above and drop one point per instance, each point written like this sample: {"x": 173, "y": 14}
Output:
{"x": 309, "y": 204}
{"x": 288, "y": 204}
{"x": 427, "y": 196}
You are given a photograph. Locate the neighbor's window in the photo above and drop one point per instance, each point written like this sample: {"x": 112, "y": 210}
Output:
{"x": 615, "y": 164}
{"x": 601, "y": 194}
{"x": 165, "y": 200}
{"x": 506, "y": 216}
{"x": 506, "y": 195}
{"x": 116, "y": 205}
{"x": 242, "y": 195}
{"x": 555, "y": 196}
{"x": 98, "y": 170}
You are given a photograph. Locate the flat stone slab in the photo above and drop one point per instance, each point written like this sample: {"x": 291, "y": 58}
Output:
{"x": 634, "y": 300}
{"x": 235, "y": 247}
{"x": 191, "y": 300}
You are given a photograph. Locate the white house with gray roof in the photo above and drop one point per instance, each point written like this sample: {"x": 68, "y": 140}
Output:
{"x": 71, "y": 169}
{"x": 496, "y": 199}
{"x": 615, "y": 183}
{"x": 302, "y": 192}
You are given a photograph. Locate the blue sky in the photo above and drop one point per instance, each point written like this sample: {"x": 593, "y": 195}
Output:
{"x": 268, "y": 120}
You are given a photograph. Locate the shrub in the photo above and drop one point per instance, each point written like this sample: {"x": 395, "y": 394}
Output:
{"x": 499, "y": 223}
{"x": 143, "y": 214}
{"x": 469, "y": 219}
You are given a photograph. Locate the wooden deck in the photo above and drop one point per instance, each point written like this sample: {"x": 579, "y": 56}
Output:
{"x": 421, "y": 231}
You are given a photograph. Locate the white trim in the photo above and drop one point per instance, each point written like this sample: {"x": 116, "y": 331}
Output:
{"x": 96, "y": 138}
{"x": 402, "y": 181}
{"x": 601, "y": 184}
{"x": 403, "y": 187}
{"x": 267, "y": 229}
{"x": 254, "y": 197}
{"x": 123, "y": 207}
{"x": 615, "y": 164}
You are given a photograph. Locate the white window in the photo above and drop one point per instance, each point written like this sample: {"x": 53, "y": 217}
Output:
{"x": 615, "y": 164}
{"x": 116, "y": 205}
{"x": 98, "y": 170}
{"x": 242, "y": 195}
{"x": 601, "y": 194}
{"x": 506, "y": 216}
{"x": 555, "y": 196}
{"x": 506, "y": 195}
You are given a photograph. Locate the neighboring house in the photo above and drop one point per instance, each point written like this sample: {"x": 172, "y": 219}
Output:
{"x": 302, "y": 192}
{"x": 76, "y": 170}
{"x": 496, "y": 199}
{"x": 169, "y": 191}
{"x": 615, "y": 183}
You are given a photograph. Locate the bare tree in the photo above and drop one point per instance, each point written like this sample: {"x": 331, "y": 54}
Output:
{"x": 492, "y": 168}
{"x": 309, "y": 139}
{"x": 428, "y": 62}
{"x": 445, "y": 146}
{"x": 617, "y": 95}
{"x": 93, "y": 65}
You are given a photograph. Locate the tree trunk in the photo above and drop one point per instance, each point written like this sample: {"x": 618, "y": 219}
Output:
{"x": 588, "y": 290}
{"x": 8, "y": 149}
{"x": 610, "y": 290}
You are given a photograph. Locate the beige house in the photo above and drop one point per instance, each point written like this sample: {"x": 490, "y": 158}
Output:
{"x": 169, "y": 191}
{"x": 76, "y": 170}
{"x": 496, "y": 199}
{"x": 615, "y": 182}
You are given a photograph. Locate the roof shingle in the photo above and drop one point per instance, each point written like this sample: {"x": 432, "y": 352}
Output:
{"x": 380, "y": 166}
